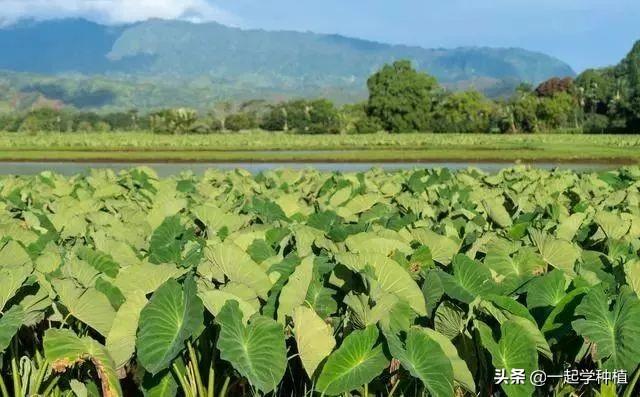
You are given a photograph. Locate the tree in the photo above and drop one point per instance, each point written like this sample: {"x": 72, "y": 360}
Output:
{"x": 467, "y": 111}
{"x": 321, "y": 117}
{"x": 597, "y": 89}
{"x": 275, "y": 119}
{"x": 558, "y": 111}
{"x": 305, "y": 117}
{"x": 524, "y": 112}
{"x": 174, "y": 121}
{"x": 401, "y": 98}
{"x": 241, "y": 121}
{"x": 631, "y": 66}
{"x": 554, "y": 86}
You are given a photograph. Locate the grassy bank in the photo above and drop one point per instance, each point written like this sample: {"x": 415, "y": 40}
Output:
{"x": 264, "y": 147}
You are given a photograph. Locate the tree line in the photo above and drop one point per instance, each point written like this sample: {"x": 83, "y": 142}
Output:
{"x": 401, "y": 99}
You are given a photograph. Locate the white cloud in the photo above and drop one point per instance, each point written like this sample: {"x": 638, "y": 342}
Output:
{"x": 114, "y": 11}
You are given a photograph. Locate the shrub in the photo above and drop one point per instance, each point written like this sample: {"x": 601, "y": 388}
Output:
{"x": 241, "y": 121}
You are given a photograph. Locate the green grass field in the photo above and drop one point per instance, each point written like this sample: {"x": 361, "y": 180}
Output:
{"x": 266, "y": 147}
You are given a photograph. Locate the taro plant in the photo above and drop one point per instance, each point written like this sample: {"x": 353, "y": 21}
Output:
{"x": 409, "y": 283}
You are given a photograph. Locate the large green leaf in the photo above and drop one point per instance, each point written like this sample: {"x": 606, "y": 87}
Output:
{"x": 560, "y": 254}
{"x": 614, "y": 332}
{"x": 11, "y": 279}
{"x": 356, "y": 362}
{"x": 461, "y": 374}
{"x": 257, "y": 351}
{"x": 514, "y": 350}
{"x": 393, "y": 279}
{"x": 238, "y": 266}
{"x": 632, "y": 273}
{"x": 294, "y": 292}
{"x": 100, "y": 261}
{"x": 469, "y": 280}
{"x": 162, "y": 384}
{"x": 496, "y": 211}
{"x": 10, "y": 323}
{"x": 89, "y": 306}
{"x": 547, "y": 291}
{"x": 172, "y": 315}
{"x": 214, "y": 300}
{"x": 145, "y": 277}
{"x": 64, "y": 349}
{"x": 424, "y": 358}
{"x": 165, "y": 245}
{"x": 314, "y": 338}
{"x": 443, "y": 248}
{"x": 121, "y": 340}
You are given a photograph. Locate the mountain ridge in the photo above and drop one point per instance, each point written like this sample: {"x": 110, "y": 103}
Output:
{"x": 241, "y": 61}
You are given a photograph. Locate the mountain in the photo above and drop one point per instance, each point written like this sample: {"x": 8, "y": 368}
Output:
{"x": 242, "y": 63}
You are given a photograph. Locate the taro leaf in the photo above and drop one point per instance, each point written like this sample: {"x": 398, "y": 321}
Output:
{"x": 568, "y": 228}
{"x": 172, "y": 316}
{"x": 145, "y": 277}
{"x": 614, "y": 332}
{"x": 496, "y": 211}
{"x": 432, "y": 290}
{"x": 64, "y": 349}
{"x": 470, "y": 279}
{"x": 613, "y": 226}
{"x": 90, "y": 306}
{"x": 214, "y": 300}
{"x": 238, "y": 266}
{"x": 294, "y": 292}
{"x": 121, "y": 340}
{"x": 632, "y": 273}
{"x": 394, "y": 279}
{"x": 547, "y": 291}
{"x": 461, "y": 374}
{"x": 260, "y": 251}
{"x": 100, "y": 261}
{"x": 321, "y": 299}
{"x": 512, "y": 310}
{"x": 13, "y": 255}
{"x": 163, "y": 384}
{"x": 268, "y": 211}
{"x": 372, "y": 243}
{"x": 81, "y": 271}
{"x": 391, "y": 311}
{"x": 11, "y": 279}
{"x": 10, "y": 323}
{"x": 355, "y": 363}
{"x": 314, "y": 338}
{"x": 511, "y": 273}
{"x": 425, "y": 359}
{"x": 257, "y": 351}
{"x": 515, "y": 350}
{"x": 112, "y": 292}
{"x": 560, "y": 254}
{"x": 443, "y": 248}
{"x": 558, "y": 322}
{"x": 449, "y": 320}
{"x": 166, "y": 243}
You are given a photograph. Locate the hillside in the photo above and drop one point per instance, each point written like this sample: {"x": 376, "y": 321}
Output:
{"x": 236, "y": 63}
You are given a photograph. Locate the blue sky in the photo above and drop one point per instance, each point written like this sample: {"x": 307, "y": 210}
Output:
{"x": 584, "y": 33}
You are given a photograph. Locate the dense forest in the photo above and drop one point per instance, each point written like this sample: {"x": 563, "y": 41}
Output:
{"x": 401, "y": 99}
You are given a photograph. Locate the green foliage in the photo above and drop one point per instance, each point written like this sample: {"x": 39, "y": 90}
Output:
{"x": 466, "y": 111}
{"x": 286, "y": 283}
{"x": 304, "y": 117}
{"x": 402, "y": 98}
{"x": 241, "y": 121}
{"x": 173, "y": 121}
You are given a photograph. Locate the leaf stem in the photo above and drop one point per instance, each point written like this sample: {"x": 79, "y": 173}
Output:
{"x": 223, "y": 392}
{"x": 629, "y": 390}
